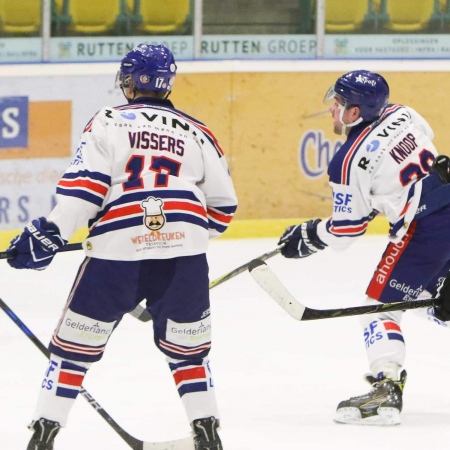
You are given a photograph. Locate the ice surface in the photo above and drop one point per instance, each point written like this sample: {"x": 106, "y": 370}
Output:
{"x": 278, "y": 381}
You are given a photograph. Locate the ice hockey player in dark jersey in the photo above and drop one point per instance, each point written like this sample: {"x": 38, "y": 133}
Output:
{"x": 153, "y": 186}
{"x": 387, "y": 165}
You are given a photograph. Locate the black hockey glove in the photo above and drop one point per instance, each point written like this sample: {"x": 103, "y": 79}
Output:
{"x": 441, "y": 166}
{"x": 301, "y": 240}
{"x": 442, "y": 311}
{"x": 36, "y": 246}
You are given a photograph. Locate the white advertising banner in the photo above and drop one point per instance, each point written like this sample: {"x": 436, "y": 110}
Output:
{"x": 212, "y": 47}
{"x": 13, "y": 50}
{"x": 387, "y": 46}
{"x": 85, "y": 49}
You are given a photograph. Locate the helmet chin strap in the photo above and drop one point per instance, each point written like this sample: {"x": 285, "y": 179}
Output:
{"x": 347, "y": 125}
{"x": 125, "y": 95}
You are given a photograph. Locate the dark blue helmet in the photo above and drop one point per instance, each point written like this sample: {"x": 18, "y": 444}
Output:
{"x": 367, "y": 90}
{"x": 148, "y": 68}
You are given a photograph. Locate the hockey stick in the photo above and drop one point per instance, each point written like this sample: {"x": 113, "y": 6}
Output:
{"x": 142, "y": 314}
{"x": 134, "y": 443}
{"x": 65, "y": 248}
{"x": 264, "y": 276}
{"x": 243, "y": 268}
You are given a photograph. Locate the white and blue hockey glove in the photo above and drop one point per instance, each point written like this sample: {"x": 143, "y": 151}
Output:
{"x": 301, "y": 240}
{"x": 442, "y": 311}
{"x": 36, "y": 246}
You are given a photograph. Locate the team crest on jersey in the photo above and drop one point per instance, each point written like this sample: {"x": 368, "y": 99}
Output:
{"x": 373, "y": 145}
{"x": 154, "y": 218}
{"x": 128, "y": 115}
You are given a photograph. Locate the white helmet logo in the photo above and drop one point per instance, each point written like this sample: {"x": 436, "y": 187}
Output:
{"x": 365, "y": 80}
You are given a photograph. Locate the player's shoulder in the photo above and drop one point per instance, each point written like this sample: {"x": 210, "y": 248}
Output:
{"x": 99, "y": 118}
{"x": 188, "y": 118}
{"x": 201, "y": 132}
{"x": 393, "y": 111}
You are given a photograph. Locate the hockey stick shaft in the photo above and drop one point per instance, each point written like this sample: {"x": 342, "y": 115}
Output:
{"x": 243, "y": 268}
{"x": 136, "y": 444}
{"x": 275, "y": 288}
{"x": 65, "y": 248}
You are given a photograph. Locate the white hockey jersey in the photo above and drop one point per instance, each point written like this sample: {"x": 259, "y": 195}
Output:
{"x": 149, "y": 181}
{"x": 379, "y": 168}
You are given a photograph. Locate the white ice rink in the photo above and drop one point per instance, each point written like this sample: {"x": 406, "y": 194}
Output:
{"x": 278, "y": 381}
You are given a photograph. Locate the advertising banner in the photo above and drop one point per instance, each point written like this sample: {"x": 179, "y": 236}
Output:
{"x": 35, "y": 140}
{"x": 108, "y": 48}
{"x": 41, "y": 120}
{"x": 387, "y": 46}
{"x": 273, "y": 126}
{"x": 228, "y": 47}
{"x": 14, "y": 50}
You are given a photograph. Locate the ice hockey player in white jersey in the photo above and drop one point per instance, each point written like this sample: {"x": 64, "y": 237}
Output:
{"x": 387, "y": 165}
{"x": 152, "y": 185}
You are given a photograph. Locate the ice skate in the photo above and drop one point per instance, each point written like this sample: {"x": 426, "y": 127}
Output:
{"x": 205, "y": 434}
{"x": 381, "y": 406}
{"x": 44, "y": 434}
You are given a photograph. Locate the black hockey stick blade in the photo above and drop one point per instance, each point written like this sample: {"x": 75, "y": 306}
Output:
{"x": 65, "y": 248}
{"x": 264, "y": 276}
{"x": 134, "y": 443}
{"x": 142, "y": 314}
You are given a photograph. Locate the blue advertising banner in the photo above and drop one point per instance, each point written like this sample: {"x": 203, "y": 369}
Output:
{"x": 13, "y": 122}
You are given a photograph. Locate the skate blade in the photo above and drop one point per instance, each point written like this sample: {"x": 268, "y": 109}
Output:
{"x": 386, "y": 417}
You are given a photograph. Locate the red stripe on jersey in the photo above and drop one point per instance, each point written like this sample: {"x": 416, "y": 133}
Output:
{"x": 86, "y": 184}
{"x": 90, "y": 123}
{"x": 70, "y": 379}
{"x": 189, "y": 374}
{"x": 208, "y": 132}
{"x": 348, "y": 230}
{"x": 220, "y": 217}
{"x": 387, "y": 264}
{"x": 185, "y": 206}
{"x": 137, "y": 209}
{"x": 390, "y": 109}
{"x": 121, "y": 212}
{"x": 391, "y": 326}
{"x": 405, "y": 208}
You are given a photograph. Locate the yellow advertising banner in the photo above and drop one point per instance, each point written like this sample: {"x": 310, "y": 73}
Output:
{"x": 49, "y": 132}
{"x": 277, "y": 133}
{"x": 273, "y": 126}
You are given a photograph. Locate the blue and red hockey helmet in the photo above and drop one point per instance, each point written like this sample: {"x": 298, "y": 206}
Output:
{"x": 147, "y": 68}
{"x": 367, "y": 90}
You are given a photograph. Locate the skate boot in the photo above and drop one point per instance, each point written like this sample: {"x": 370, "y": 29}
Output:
{"x": 44, "y": 434}
{"x": 381, "y": 406}
{"x": 205, "y": 434}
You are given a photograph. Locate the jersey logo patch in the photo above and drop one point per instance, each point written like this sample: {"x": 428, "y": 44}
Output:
{"x": 154, "y": 218}
{"x": 128, "y": 115}
{"x": 372, "y": 146}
